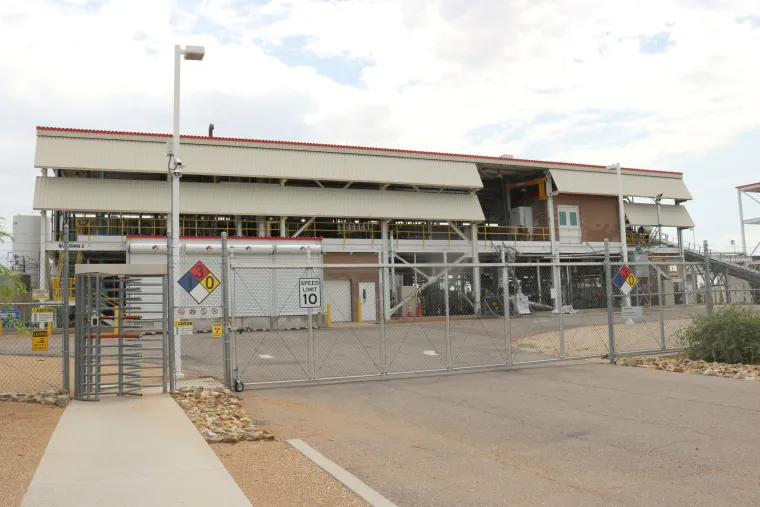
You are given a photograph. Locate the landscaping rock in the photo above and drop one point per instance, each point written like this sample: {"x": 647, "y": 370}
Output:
{"x": 679, "y": 365}
{"x": 219, "y": 416}
{"x": 50, "y": 397}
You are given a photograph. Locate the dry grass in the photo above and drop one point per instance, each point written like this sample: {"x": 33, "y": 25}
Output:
{"x": 25, "y": 430}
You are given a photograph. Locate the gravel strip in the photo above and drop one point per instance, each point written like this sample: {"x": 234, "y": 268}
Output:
{"x": 25, "y": 430}
{"x": 219, "y": 415}
{"x": 276, "y": 475}
{"x": 677, "y": 365}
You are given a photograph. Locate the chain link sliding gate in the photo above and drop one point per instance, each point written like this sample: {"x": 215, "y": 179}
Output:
{"x": 383, "y": 320}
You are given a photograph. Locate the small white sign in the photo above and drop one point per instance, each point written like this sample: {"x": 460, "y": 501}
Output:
{"x": 633, "y": 313}
{"x": 309, "y": 293}
{"x": 42, "y": 315}
{"x": 198, "y": 312}
{"x": 183, "y": 327}
{"x": 40, "y": 294}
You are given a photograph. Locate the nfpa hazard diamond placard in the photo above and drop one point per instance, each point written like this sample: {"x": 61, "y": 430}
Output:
{"x": 199, "y": 282}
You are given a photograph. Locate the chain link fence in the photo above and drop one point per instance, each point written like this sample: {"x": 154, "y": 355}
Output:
{"x": 31, "y": 348}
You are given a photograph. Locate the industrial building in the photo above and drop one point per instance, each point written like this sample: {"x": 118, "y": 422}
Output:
{"x": 348, "y": 204}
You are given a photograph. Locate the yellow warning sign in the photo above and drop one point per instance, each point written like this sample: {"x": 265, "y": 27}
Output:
{"x": 216, "y": 330}
{"x": 210, "y": 282}
{"x": 40, "y": 340}
{"x": 632, "y": 280}
{"x": 42, "y": 315}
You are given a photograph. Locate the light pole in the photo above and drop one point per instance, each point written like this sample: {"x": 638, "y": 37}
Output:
{"x": 621, "y": 211}
{"x": 175, "y": 173}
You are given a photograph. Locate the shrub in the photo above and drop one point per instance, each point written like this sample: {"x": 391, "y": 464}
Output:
{"x": 730, "y": 335}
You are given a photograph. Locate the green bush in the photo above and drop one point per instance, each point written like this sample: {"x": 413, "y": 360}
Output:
{"x": 730, "y": 335}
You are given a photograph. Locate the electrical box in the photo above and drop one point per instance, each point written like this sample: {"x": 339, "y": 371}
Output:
{"x": 522, "y": 216}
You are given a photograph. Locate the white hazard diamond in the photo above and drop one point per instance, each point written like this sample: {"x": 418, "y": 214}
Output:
{"x": 199, "y": 293}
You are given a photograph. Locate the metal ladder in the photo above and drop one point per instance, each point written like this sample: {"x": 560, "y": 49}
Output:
{"x": 121, "y": 344}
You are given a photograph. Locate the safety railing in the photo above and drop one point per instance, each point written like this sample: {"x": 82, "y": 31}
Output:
{"x": 57, "y": 284}
{"x": 324, "y": 228}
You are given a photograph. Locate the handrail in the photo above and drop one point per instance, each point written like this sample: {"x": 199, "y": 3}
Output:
{"x": 326, "y": 228}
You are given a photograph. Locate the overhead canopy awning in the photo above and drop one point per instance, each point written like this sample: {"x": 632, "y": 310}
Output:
{"x": 146, "y": 153}
{"x": 635, "y": 184}
{"x": 130, "y": 196}
{"x": 646, "y": 214}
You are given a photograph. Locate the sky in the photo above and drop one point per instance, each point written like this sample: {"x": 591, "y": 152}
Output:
{"x": 669, "y": 84}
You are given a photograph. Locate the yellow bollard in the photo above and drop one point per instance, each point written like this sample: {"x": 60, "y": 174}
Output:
{"x": 329, "y": 314}
{"x": 1, "y": 328}
{"x": 359, "y": 311}
{"x": 50, "y": 328}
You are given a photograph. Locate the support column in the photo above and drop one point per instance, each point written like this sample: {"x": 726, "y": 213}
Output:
{"x": 386, "y": 284}
{"x": 43, "y": 252}
{"x": 741, "y": 220}
{"x": 239, "y": 226}
{"x": 261, "y": 227}
{"x": 283, "y": 227}
{"x": 476, "y": 267}
{"x": 556, "y": 286}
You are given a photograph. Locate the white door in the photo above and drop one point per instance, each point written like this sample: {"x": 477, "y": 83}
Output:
{"x": 369, "y": 301}
{"x": 569, "y": 224}
{"x": 338, "y": 294}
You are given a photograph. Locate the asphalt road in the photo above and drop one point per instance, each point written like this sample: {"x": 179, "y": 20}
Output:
{"x": 570, "y": 435}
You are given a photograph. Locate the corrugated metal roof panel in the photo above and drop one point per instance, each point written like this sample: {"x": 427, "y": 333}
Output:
{"x": 126, "y": 196}
{"x": 603, "y": 182}
{"x": 149, "y": 155}
{"x": 646, "y": 214}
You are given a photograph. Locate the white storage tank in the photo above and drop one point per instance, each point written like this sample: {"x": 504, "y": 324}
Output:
{"x": 26, "y": 241}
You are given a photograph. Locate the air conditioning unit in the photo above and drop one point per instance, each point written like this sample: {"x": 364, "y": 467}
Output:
{"x": 522, "y": 216}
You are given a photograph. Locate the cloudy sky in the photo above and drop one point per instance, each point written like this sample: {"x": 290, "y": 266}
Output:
{"x": 662, "y": 84}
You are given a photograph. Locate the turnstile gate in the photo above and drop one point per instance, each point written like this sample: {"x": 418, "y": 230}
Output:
{"x": 121, "y": 334}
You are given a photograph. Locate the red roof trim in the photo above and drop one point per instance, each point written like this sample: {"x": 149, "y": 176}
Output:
{"x": 344, "y": 147}
{"x": 749, "y": 185}
{"x": 235, "y": 238}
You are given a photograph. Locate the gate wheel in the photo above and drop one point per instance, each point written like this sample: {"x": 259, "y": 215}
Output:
{"x": 239, "y": 386}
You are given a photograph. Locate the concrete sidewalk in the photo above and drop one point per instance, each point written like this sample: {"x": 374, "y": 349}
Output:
{"x": 125, "y": 452}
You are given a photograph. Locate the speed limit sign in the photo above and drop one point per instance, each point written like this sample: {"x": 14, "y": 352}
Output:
{"x": 309, "y": 293}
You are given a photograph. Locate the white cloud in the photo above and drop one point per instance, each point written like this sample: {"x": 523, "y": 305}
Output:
{"x": 436, "y": 72}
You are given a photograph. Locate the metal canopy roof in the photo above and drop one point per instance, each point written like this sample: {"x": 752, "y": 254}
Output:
{"x": 131, "y": 196}
{"x": 604, "y": 182}
{"x": 147, "y": 154}
{"x": 646, "y": 214}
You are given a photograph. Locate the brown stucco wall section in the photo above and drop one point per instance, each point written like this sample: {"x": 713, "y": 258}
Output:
{"x": 598, "y": 214}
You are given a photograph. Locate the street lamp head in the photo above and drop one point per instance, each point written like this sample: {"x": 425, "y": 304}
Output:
{"x": 613, "y": 167}
{"x": 194, "y": 52}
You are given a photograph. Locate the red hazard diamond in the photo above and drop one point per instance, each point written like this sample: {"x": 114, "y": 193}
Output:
{"x": 624, "y": 271}
{"x": 199, "y": 271}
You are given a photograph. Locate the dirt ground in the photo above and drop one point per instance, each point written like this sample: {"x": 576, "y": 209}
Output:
{"x": 276, "y": 475}
{"x": 29, "y": 374}
{"x": 25, "y": 430}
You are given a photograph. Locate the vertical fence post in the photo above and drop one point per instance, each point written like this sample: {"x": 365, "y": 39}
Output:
{"x": 610, "y": 313}
{"x": 171, "y": 330}
{"x": 165, "y": 379}
{"x": 447, "y": 327}
{"x": 560, "y": 306}
{"x": 65, "y": 307}
{"x": 226, "y": 327}
{"x": 77, "y": 335}
{"x": 381, "y": 292}
{"x": 506, "y": 307}
{"x": 311, "y": 366}
{"x": 662, "y": 306}
{"x": 708, "y": 281}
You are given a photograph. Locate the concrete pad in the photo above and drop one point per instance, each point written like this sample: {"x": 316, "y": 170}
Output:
{"x": 130, "y": 452}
